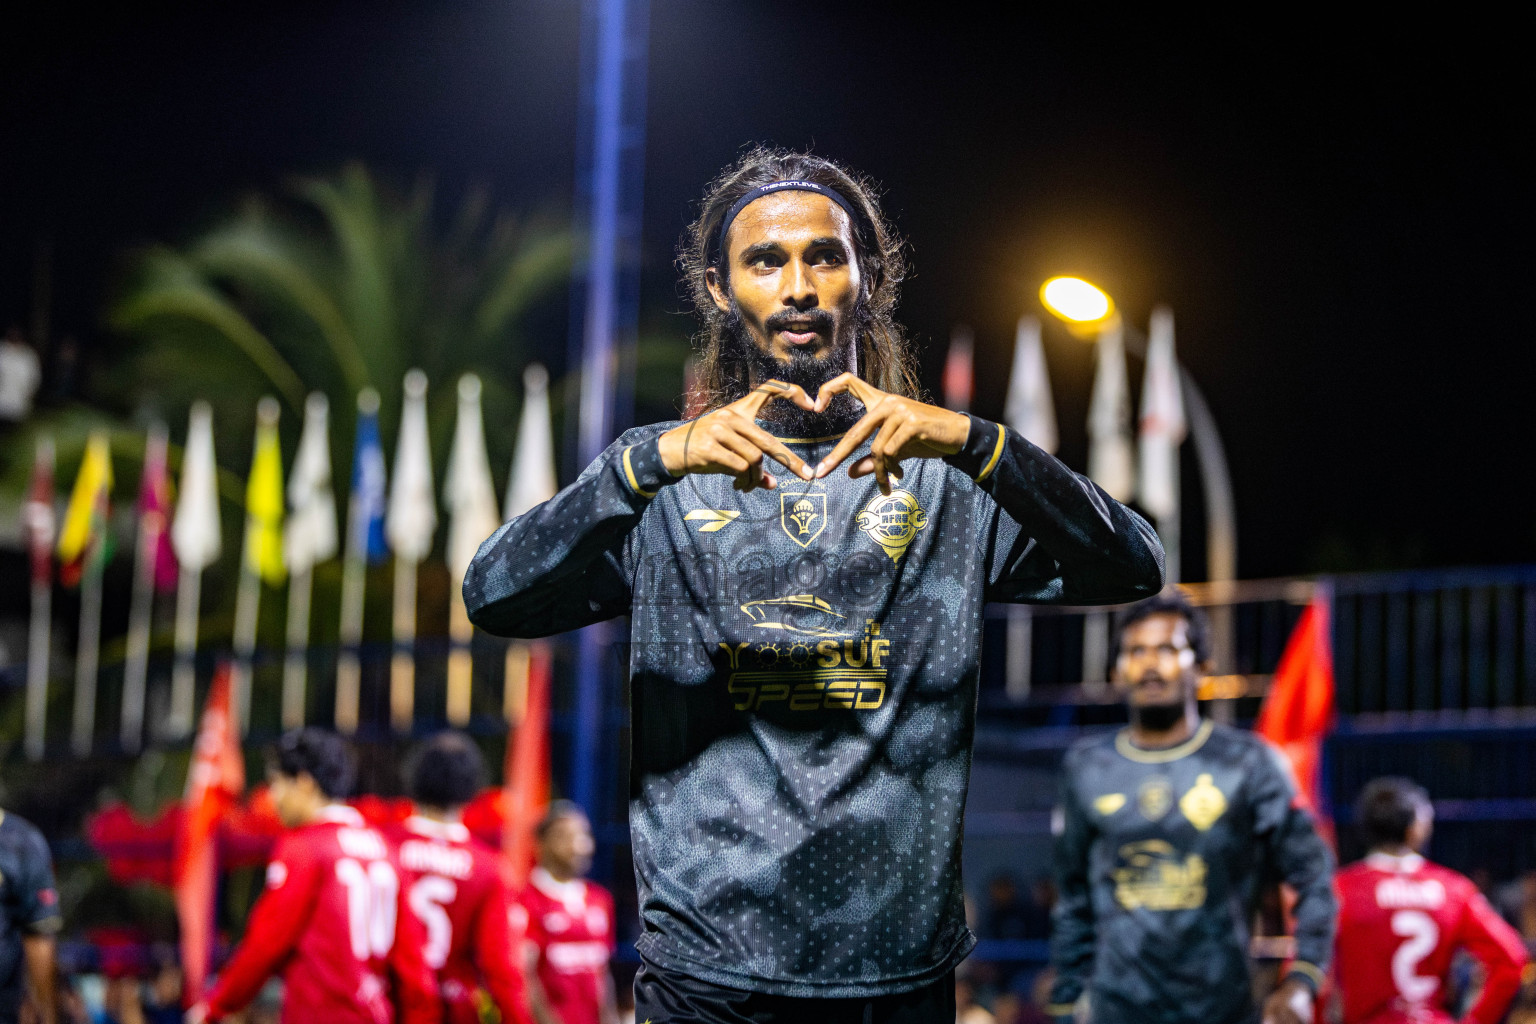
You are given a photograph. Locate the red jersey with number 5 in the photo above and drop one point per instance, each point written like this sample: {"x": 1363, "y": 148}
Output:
{"x": 331, "y": 921}
{"x": 1401, "y": 921}
{"x": 571, "y": 926}
{"x": 457, "y": 888}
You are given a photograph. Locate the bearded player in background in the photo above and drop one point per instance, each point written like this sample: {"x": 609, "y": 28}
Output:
{"x": 1170, "y": 830}
{"x": 806, "y": 636}
{"x": 457, "y": 887}
{"x": 1402, "y": 920}
{"x": 333, "y": 919}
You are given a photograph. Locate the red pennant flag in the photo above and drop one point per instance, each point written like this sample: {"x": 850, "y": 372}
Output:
{"x": 215, "y": 783}
{"x": 959, "y": 373}
{"x": 527, "y": 769}
{"x": 158, "y": 558}
{"x": 1298, "y": 712}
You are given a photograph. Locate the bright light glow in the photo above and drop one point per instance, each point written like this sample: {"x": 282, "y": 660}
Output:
{"x": 1074, "y": 299}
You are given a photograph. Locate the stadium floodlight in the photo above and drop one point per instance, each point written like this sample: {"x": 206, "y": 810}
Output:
{"x": 1085, "y": 307}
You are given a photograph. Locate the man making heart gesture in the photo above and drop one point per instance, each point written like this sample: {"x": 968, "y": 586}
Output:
{"x": 804, "y": 563}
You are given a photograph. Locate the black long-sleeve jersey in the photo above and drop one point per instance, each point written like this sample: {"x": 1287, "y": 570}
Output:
{"x": 1160, "y": 864}
{"x": 803, "y": 675}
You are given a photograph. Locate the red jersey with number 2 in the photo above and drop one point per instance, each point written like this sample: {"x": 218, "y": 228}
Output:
{"x": 331, "y": 921}
{"x": 457, "y": 888}
{"x": 571, "y": 926}
{"x": 1401, "y": 921}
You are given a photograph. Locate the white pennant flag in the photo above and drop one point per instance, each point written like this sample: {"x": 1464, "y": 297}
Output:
{"x": 195, "y": 534}
{"x": 532, "y": 480}
{"x": 1162, "y": 420}
{"x": 1029, "y": 408}
{"x": 310, "y": 532}
{"x": 468, "y": 493}
{"x": 1111, "y": 455}
{"x": 412, "y": 515}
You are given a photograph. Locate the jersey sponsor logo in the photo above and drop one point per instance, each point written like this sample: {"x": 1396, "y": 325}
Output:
{"x": 846, "y": 673}
{"x": 1109, "y": 803}
{"x": 893, "y": 521}
{"x": 803, "y": 515}
{"x": 713, "y": 520}
{"x": 1151, "y": 876}
{"x": 1203, "y": 804}
{"x": 1394, "y": 893}
{"x": 427, "y": 858}
{"x": 797, "y": 613}
{"x": 1155, "y": 798}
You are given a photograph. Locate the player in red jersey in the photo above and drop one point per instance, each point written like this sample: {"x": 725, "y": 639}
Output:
{"x": 458, "y": 888}
{"x": 332, "y": 918}
{"x": 569, "y": 922}
{"x": 1402, "y": 919}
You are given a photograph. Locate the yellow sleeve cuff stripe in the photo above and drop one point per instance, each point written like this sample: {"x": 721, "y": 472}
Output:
{"x": 997, "y": 453}
{"x": 629, "y": 474}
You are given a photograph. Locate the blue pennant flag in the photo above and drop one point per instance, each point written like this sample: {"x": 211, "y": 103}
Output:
{"x": 365, "y": 526}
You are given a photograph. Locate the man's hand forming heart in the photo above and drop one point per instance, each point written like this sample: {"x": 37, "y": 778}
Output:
{"x": 730, "y": 442}
{"x": 907, "y": 429}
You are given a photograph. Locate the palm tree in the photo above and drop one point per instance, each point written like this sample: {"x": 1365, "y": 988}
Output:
{"x": 341, "y": 284}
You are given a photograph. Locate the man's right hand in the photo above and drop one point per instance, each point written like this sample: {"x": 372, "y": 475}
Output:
{"x": 729, "y": 441}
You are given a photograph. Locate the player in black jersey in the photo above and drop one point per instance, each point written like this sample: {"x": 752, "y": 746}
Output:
{"x": 29, "y": 919}
{"x": 1170, "y": 829}
{"x": 806, "y": 639}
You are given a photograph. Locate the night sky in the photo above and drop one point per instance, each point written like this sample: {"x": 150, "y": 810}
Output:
{"x": 1335, "y": 213}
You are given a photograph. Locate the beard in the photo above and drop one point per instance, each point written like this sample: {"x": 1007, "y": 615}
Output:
{"x": 1157, "y": 717}
{"x": 805, "y": 369}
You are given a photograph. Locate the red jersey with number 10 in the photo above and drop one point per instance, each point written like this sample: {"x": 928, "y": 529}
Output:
{"x": 331, "y": 920}
{"x": 1401, "y": 920}
{"x": 571, "y": 925}
{"x": 458, "y": 890}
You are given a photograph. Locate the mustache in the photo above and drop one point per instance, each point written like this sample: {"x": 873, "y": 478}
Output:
{"x": 814, "y": 319}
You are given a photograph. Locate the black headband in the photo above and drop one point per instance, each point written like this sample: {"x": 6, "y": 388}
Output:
{"x": 788, "y": 185}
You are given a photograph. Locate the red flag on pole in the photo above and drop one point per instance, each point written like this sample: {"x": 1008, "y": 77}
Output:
{"x": 215, "y": 782}
{"x": 526, "y": 785}
{"x": 959, "y": 372}
{"x": 1298, "y": 712}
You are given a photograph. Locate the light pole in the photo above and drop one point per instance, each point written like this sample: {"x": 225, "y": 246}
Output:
{"x": 1088, "y": 313}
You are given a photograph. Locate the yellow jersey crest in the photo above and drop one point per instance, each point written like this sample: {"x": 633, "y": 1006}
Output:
{"x": 893, "y": 521}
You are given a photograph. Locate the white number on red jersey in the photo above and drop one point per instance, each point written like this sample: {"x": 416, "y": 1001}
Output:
{"x": 371, "y": 896}
{"x": 428, "y": 898}
{"x": 1423, "y": 935}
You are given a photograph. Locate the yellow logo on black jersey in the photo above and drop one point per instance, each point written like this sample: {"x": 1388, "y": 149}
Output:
{"x": 803, "y": 515}
{"x": 892, "y": 521}
{"x": 1151, "y": 876}
{"x": 1203, "y": 804}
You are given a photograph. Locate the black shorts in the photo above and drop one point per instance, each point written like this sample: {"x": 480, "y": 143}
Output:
{"x": 669, "y": 997}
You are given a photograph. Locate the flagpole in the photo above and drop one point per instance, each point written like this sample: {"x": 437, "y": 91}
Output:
{"x": 409, "y": 525}
{"x": 471, "y": 500}
{"x": 40, "y": 527}
{"x": 295, "y": 666}
{"x": 255, "y": 557}
{"x": 197, "y": 541}
{"x": 309, "y": 537}
{"x": 142, "y": 603}
{"x": 1031, "y": 412}
{"x": 85, "y": 537}
{"x": 530, "y": 482}
{"x": 402, "y": 666}
{"x": 367, "y": 463}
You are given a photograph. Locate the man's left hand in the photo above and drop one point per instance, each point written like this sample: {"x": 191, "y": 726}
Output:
{"x": 1291, "y": 1003}
{"x": 903, "y": 428}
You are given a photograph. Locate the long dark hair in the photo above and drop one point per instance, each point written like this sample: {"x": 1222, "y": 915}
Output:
{"x": 885, "y": 360}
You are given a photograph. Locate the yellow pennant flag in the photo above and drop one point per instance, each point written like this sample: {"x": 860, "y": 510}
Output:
{"x": 264, "y": 501}
{"x": 84, "y": 520}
